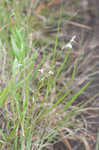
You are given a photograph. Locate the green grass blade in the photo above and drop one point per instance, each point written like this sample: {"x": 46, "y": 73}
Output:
{"x": 76, "y": 95}
{"x": 59, "y": 100}
{"x": 3, "y": 94}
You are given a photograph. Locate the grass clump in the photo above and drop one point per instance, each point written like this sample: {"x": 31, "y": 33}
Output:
{"x": 35, "y": 108}
{"x": 32, "y": 100}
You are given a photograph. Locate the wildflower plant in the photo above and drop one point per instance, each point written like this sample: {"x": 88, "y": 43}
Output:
{"x": 38, "y": 102}
{"x": 42, "y": 108}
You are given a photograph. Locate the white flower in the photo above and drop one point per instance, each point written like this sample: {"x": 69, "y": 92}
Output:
{"x": 73, "y": 39}
{"x": 50, "y": 72}
{"x": 69, "y": 45}
{"x": 41, "y": 71}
